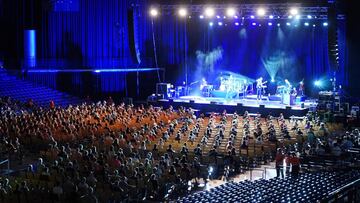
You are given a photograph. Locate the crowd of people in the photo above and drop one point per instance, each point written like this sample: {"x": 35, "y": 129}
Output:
{"x": 102, "y": 151}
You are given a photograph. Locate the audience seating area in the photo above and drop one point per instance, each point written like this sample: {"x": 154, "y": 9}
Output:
{"x": 22, "y": 90}
{"x": 307, "y": 187}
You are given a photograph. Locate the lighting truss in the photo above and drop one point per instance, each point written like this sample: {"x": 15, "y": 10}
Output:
{"x": 278, "y": 10}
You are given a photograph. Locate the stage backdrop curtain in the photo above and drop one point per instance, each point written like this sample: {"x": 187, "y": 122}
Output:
{"x": 95, "y": 35}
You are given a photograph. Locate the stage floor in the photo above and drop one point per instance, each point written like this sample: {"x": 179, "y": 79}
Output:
{"x": 249, "y": 101}
{"x": 250, "y": 104}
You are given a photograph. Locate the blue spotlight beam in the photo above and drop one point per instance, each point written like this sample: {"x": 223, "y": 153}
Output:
{"x": 125, "y": 70}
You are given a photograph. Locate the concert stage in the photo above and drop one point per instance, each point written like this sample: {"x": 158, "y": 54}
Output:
{"x": 250, "y": 104}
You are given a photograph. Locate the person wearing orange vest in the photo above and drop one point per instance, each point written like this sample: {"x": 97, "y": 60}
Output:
{"x": 295, "y": 164}
{"x": 279, "y": 159}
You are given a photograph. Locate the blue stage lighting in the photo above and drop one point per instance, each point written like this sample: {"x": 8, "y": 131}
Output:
{"x": 325, "y": 24}
{"x": 252, "y": 17}
{"x": 217, "y": 17}
{"x": 236, "y": 17}
{"x": 253, "y": 24}
{"x": 220, "y": 23}
{"x": 288, "y": 24}
{"x": 278, "y": 24}
{"x": 306, "y": 24}
{"x": 270, "y": 24}
{"x": 290, "y": 16}
{"x": 272, "y": 80}
{"x": 237, "y": 24}
{"x": 271, "y": 17}
{"x": 297, "y": 17}
{"x": 317, "y": 83}
{"x": 314, "y": 25}
{"x": 309, "y": 17}
{"x": 211, "y": 24}
{"x": 201, "y": 16}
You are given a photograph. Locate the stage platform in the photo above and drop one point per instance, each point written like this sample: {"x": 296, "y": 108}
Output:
{"x": 250, "y": 104}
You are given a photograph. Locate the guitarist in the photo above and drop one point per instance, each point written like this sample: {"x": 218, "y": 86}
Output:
{"x": 259, "y": 88}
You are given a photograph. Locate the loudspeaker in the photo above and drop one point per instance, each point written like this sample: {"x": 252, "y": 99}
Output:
{"x": 261, "y": 106}
{"x": 239, "y": 104}
{"x": 192, "y": 101}
{"x": 288, "y": 107}
{"x": 212, "y": 102}
{"x": 132, "y": 34}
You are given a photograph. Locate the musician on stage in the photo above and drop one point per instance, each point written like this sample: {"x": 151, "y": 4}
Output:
{"x": 259, "y": 88}
{"x": 301, "y": 88}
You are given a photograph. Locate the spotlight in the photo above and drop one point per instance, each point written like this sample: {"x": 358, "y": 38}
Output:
{"x": 154, "y": 12}
{"x": 317, "y": 83}
{"x": 297, "y": 17}
{"x": 253, "y": 24}
{"x": 261, "y": 12}
{"x": 272, "y": 80}
{"x": 314, "y": 25}
{"x": 230, "y": 12}
{"x": 278, "y": 24}
{"x": 271, "y": 17}
{"x": 270, "y": 24}
{"x": 290, "y": 16}
{"x": 306, "y": 24}
{"x": 182, "y": 12}
{"x": 288, "y": 24}
{"x": 294, "y": 11}
{"x": 217, "y": 17}
{"x": 211, "y": 24}
{"x": 201, "y": 16}
{"x": 220, "y": 23}
{"x": 236, "y": 17}
{"x": 325, "y": 24}
{"x": 309, "y": 17}
{"x": 237, "y": 24}
{"x": 252, "y": 17}
{"x": 209, "y": 12}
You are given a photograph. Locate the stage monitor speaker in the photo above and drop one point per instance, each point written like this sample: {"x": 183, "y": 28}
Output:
{"x": 212, "y": 102}
{"x": 261, "y": 106}
{"x": 239, "y": 104}
{"x": 171, "y": 100}
{"x": 192, "y": 101}
{"x": 288, "y": 107}
{"x": 302, "y": 105}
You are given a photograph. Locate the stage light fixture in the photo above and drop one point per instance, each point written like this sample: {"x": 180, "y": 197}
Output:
{"x": 290, "y": 16}
{"x": 201, "y": 16}
{"x": 306, "y": 24}
{"x": 325, "y": 24}
{"x": 220, "y": 23}
{"x": 236, "y": 17}
{"x": 314, "y": 25}
{"x": 297, "y": 17}
{"x": 182, "y": 12}
{"x": 253, "y": 24}
{"x": 209, "y": 12}
{"x": 154, "y": 12}
{"x": 288, "y": 24}
{"x": 278, "y": 24}
{"x": 270, "y": 24}
{"x": 252, "y": 17}
{"x": 294, "y": 11}
{"x": 230, "y": 12}
{"x": 218, "y": 17}
{"x": 211, "y": 24}
{"x": 271, "y": 17}
{"x": 237, "y": 24}
{"x": 272, "y": 80}
{"x": 317, "y": 83}
{"x": 261, "y": 12}
{"x": 309, "y": 17}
